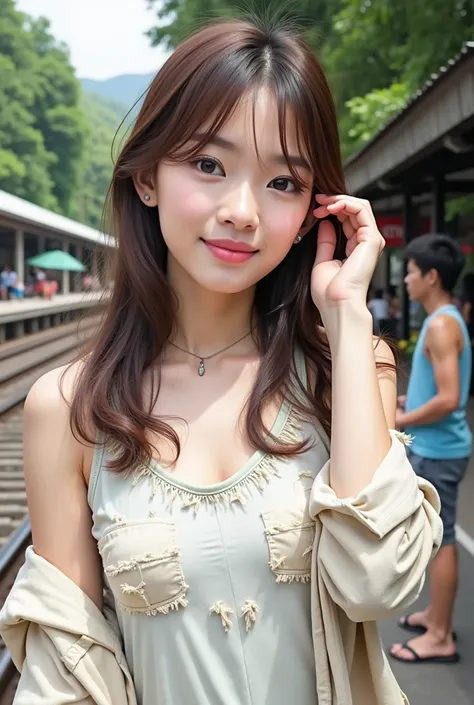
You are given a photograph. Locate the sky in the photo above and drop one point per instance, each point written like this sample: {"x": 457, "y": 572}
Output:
{"x": 105, "y": 37}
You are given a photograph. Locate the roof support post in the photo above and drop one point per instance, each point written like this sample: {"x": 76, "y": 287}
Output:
{"x": 20, "y": 256}
{"x": 66, "y": 282}
{"x": 438, "y": 193}
{"x": 407, "y": 236}
{"x": 77, "y": 278}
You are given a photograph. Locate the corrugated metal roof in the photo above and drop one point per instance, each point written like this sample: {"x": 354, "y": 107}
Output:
{"x": 27, "y": 213}
{"x": 466, "y": 52}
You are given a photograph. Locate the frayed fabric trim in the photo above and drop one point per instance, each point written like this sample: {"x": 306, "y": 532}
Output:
{"x": 291, "y": 578}
{"x": 224, "y": 612}
{"x": 405, "y": 438}
{"x": 153, "y": 611}
{"x": 249, "y": 613}
{"x": 257, "y": 478}
{"x": 135, "y": 563}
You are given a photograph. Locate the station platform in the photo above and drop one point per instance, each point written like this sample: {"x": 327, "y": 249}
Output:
{"x": 20, "y": 316}
{"x": 438, "y": 684}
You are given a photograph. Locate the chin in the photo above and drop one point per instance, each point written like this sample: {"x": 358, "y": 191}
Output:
{"x": 222, "y": 286}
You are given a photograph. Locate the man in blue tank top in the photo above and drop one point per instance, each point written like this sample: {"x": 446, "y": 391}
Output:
{"x": 434, "y": 413}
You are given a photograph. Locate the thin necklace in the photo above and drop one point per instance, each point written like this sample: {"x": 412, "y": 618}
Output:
{"x": 202, "y": 358}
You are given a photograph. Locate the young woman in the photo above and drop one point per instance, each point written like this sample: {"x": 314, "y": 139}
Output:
{"x": 183, "y": 464}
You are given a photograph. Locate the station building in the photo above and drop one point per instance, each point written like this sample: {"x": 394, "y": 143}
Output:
{"x": 27, "y": 230}
{"x": 414, "y": 167}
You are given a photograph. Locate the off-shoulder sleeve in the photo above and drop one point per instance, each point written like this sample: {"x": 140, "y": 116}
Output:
{"x": 372, "y": 550}
{"x": 44, "y": 679}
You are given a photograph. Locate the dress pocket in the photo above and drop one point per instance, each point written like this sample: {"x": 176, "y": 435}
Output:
{"x": 142, "y": 564}
{"x": 289, "y": 531}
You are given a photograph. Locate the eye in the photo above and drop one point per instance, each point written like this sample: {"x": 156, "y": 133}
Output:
{"x": 210, "y": 166}
{"x": 282, "y": 183}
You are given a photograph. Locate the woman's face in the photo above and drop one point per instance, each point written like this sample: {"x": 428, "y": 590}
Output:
{"x": 230, "y": 217}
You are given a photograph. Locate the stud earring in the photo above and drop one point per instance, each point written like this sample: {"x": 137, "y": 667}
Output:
{"x": 298, "y": 239}
{"x": 146, "y": 197}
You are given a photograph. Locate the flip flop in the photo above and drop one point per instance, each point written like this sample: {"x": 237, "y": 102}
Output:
{"x": 454, "y": 658}
{"x": 404, "y": 623}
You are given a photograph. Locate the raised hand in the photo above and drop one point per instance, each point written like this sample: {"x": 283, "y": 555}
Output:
{"x": 335, "y": 282}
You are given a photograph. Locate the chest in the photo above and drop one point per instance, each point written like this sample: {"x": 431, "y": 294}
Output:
{"x": 209, "y": 417}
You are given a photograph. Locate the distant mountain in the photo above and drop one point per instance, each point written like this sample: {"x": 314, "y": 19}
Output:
{"x": 125, "y": 89}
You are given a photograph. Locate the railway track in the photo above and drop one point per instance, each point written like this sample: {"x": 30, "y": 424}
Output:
{"x": 22, "y": 362}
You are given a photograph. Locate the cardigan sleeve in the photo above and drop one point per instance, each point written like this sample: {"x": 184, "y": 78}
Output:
{"x": 372, "y": 550}
{"x": 44, "y": 679}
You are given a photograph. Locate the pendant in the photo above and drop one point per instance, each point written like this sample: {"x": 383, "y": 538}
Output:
{"x": 201, "y": 368}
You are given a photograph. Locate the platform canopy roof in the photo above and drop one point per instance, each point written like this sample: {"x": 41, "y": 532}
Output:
{"x": 433, "y": 133}
{"x": 20, "y": 214}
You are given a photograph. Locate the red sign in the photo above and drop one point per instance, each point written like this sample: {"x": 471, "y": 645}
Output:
{"x": 391, "y": 227}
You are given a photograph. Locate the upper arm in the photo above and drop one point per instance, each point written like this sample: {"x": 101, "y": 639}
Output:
{"x": 442, "y": 343}
{"x": 56, "y": 491}
{"x": 387, "y": 377}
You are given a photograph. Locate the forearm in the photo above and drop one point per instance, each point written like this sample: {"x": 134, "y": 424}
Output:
{"x": 359, "y": 433}
{"x": 437, "y": 408}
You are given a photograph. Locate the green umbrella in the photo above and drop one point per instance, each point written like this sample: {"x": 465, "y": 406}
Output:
{"x": 57, "y": 259}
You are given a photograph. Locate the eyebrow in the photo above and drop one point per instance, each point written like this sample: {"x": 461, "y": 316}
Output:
{"x": 216, "y": 141}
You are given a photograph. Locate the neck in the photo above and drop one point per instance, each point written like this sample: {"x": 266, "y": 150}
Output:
{"x": 208, "y": 321}
{"x": 436, "y": 300}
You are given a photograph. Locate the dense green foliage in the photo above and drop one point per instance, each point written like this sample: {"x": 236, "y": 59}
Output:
{"x": 42, "y": 128}
{"x": 55, "y": 141}
{"x": 376, "y": 52}
{"x": 104, "y": 119}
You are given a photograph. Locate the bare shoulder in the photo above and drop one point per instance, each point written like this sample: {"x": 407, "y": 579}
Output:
{"x": 53, "y": 392}
{"x": 444, "y": 332}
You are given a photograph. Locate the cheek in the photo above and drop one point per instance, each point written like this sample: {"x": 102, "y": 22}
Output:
{"x": 283, "y": 225}
{"x": 180, "y": 199}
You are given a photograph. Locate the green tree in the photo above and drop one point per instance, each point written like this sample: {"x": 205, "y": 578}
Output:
{"x": 376, "y": 52}
{"x": 381, "y": 45}
{"x": 42, "y": 128}
{"x": 177, "y": 18}
{"x": 24, "y": 160}
{"x": 105, "y": 117}
{"x": 369, "y": 113}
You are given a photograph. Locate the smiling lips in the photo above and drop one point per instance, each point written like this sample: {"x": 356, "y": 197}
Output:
{"x": 230, "y": 250}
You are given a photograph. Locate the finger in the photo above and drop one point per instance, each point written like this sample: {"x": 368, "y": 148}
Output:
{"x": 321, "y": 212}
{"x": 357, "y": 209}
{"x": 351, "y": 245}
{"x": 326, "y": 242}
{"x": 347, "y": 227}
{"x": 328, "y": 197}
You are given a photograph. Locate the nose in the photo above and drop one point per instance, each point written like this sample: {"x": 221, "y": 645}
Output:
{"x": 239, "y": 208}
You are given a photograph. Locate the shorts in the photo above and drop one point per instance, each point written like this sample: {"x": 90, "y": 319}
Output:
{"x": 445, "y": 475}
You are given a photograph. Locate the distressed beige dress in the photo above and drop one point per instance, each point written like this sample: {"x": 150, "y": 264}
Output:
{"x": 211, "y": 584}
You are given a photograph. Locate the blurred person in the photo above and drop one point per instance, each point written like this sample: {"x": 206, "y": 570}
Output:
{"x": 186, "y": 467}
{"x": 8, "y": 279}
{"x": 40, "y": 280}
{"x": 378, "y": 307}
{"x": 395, "y": 310}
{"x": 434, "y": 413}
{"x": 466, "y": 305}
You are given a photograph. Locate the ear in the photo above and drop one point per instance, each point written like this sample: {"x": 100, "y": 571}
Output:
{"x": 145, "y": 186}
{"x": 433, "y": 276}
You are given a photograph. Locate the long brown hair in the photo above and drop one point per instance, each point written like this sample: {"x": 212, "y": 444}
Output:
{"x": 200, "y": 85}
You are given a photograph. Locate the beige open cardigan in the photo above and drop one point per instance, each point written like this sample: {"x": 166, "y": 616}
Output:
{"x": 369, "y": 559}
